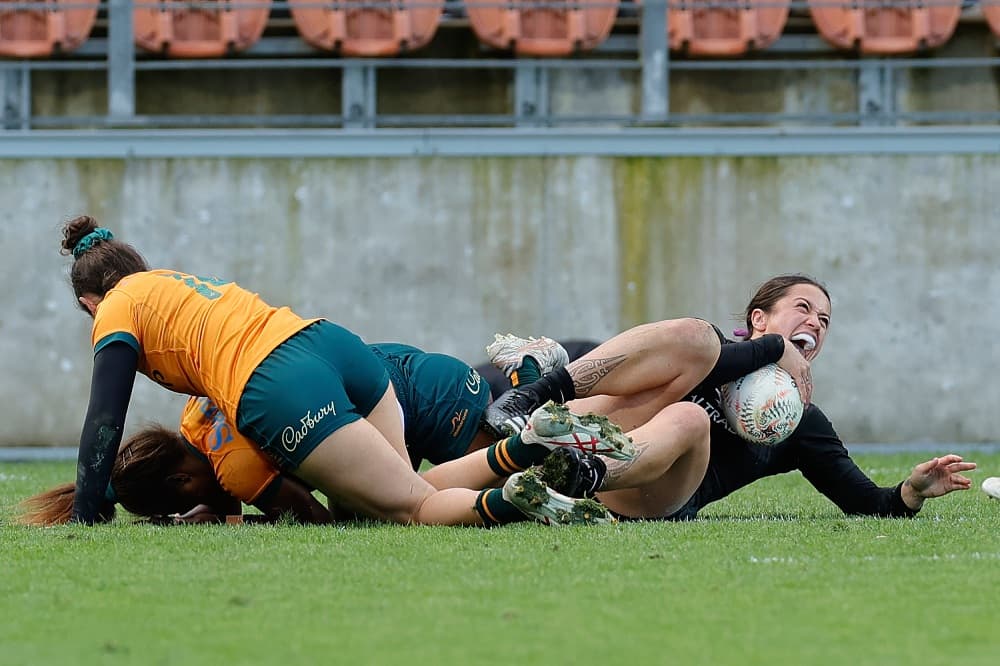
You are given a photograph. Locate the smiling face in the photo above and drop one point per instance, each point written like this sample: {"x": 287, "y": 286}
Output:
{"x": 801, "y": 314}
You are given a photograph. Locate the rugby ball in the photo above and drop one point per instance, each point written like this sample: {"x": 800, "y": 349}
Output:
{"x": 763, "y": 407}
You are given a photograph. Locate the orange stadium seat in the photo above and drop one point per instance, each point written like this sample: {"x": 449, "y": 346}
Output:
{"x": 534, "y": 29}
{"x": 991, "y": 11}
{"x": 176, "y": 29}
{"x": 725, "y": 28}
{"x": 872, "y": 27}
{"x": 367, "y": 27}
{"x": 35, "y": 33}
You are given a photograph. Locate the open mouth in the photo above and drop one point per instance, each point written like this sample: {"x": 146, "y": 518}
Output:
{"x": 804, "y": 341}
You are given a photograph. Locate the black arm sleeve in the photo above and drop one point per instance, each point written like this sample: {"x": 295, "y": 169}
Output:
{"x": 110, "y": 391}
{"x": 825, "y": 463}
{"x": 741, "y": 358}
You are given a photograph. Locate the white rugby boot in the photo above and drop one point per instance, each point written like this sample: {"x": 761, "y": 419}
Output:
{"x": 527, "y": 492}
{"x": 507, "y": 353}
{"x": 553, "y": 425}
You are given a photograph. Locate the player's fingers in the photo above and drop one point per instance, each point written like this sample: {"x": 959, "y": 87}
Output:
{"x": 806, "y": 386}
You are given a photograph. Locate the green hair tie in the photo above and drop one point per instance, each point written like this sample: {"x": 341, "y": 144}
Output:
{"x": 98, "y": 235}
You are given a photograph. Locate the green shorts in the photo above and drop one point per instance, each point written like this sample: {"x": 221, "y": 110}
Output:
{"x": 314, "y": 383}
{"x": 443, "y": 401}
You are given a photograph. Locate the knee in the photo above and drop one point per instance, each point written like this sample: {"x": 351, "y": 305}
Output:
{"x": 700, "y": 340}
{"x": 692, "y": 424}
{"x": 410, "y": 514}
{"x": 694, "y": 338}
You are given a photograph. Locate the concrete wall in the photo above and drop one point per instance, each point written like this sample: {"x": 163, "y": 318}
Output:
{"x": 442, "y": 252}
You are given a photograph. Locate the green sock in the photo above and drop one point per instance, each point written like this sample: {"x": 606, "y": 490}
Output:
{"x": 511, "y": 455}
{"x": 495, "y": 510}
{"x": 529, "y": 372}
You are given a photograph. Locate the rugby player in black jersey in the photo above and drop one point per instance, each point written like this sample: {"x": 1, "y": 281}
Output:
{"x": 640, "y": 372}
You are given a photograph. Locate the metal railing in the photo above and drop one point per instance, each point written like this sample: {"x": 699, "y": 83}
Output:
{"x": 646, "y": 54}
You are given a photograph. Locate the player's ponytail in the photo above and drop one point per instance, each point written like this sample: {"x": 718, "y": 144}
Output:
{"x": 138, "y": 482}
{"x": 55, "y": 507}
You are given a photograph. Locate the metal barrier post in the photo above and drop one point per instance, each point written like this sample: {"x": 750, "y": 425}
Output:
{"x": 357, "y": 92}
{"x": 531, "y": 95}
{"x": 121, "y": 60}
{"x": 876, "y": 93}
{"x": 655, "y": 60}
{"x": 16, "y": 98}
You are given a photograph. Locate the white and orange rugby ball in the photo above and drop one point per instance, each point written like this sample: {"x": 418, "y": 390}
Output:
{"x": 763, "y": 407}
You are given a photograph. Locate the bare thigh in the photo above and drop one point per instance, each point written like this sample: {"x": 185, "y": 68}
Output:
{"x": 388, "y": 420}
{"x": 676, "y": 442}
{"x": 358, "y": 468}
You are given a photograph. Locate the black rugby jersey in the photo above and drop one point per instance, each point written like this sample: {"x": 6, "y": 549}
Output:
{"x": 814, "y": 449}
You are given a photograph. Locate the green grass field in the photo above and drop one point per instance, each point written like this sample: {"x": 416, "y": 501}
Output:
{"x": 774, "y": 575}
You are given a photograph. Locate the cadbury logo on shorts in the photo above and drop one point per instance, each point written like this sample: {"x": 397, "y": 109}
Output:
{"x": 291, "y": 436}
{"x": 473, "y": 382}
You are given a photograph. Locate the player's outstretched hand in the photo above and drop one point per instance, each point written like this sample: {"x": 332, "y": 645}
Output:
{"x": 940, "y": 476}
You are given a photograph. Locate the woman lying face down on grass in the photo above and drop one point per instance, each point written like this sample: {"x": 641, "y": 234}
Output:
{"x": 170, "y": 476}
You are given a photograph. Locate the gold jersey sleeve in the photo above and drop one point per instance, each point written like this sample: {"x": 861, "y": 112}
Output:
{"x": 241, "y": 468}
{"x": 195, "y": 335}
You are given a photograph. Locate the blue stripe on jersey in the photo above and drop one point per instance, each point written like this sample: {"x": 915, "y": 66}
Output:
{"x": 127, "y": 338}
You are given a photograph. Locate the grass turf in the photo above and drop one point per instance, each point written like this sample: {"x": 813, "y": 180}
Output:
{"x": 772, "y": 575}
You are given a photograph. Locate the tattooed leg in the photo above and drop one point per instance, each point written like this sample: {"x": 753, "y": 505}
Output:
{"x": 618, "y": 469}
{"x": 586, "y": 373}
{"x": 675, "y": 354}
{"x": 669, "y": 468}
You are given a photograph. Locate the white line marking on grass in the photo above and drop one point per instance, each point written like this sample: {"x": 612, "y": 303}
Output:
{"x": 932, "y": 557}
